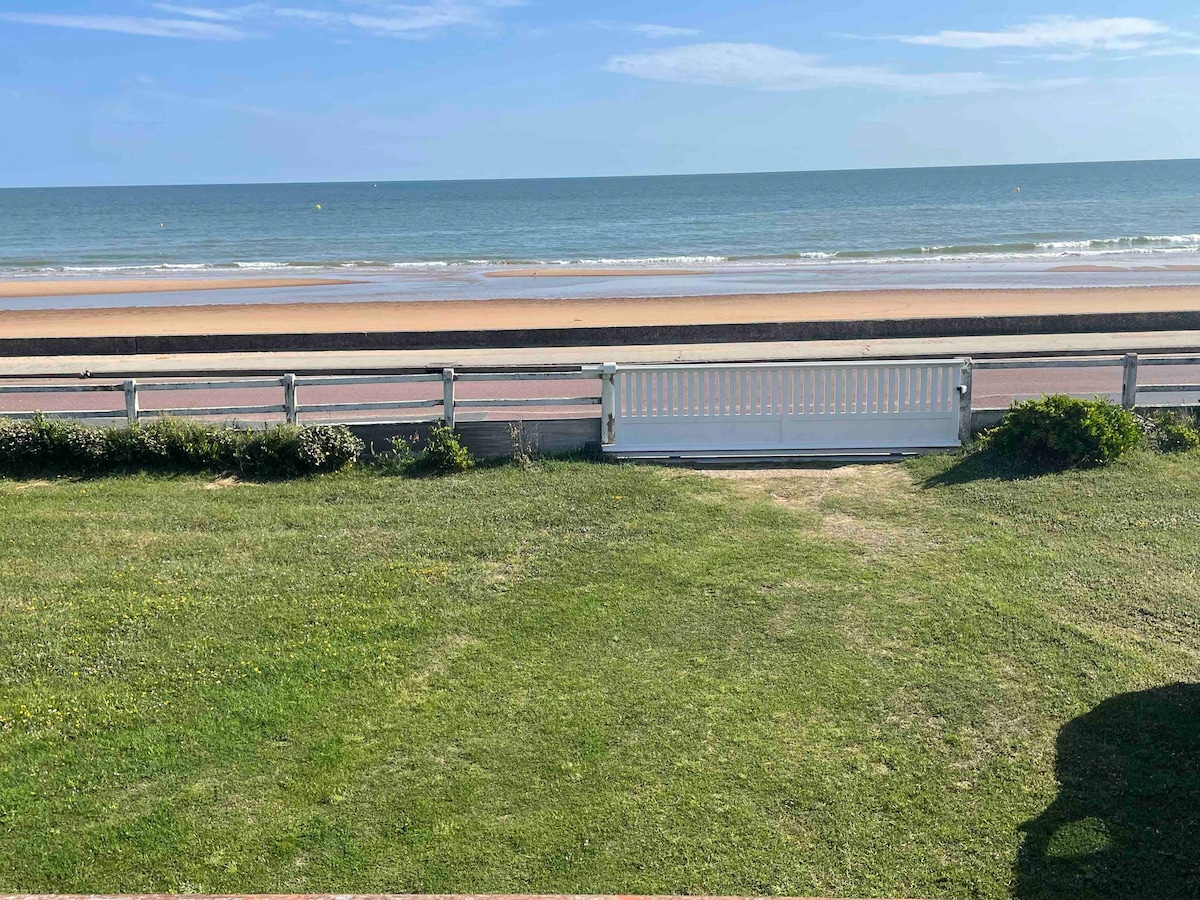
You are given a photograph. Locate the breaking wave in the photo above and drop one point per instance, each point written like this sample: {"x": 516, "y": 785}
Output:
{"x": 1030, "y": 250}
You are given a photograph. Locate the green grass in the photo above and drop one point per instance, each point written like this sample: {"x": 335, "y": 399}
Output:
{"x": 593, "y": 678}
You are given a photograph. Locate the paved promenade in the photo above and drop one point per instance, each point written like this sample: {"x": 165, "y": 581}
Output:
{"x": 386, "y": 897}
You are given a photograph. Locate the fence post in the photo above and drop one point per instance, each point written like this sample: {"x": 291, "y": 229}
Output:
{"x": 608, "y": 417}
{"x": 1129, "y": 381}
{"x": 964, "y": 402}
{"x": 131, "y": 401}
{"x": 291, "y": 410}
{"x": 448, "y": 397}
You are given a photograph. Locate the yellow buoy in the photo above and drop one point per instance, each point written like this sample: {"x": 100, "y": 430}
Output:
{"x": 318, "y": 206}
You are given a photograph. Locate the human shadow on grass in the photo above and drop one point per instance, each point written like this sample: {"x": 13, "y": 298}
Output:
{"x": 1126, "y": 822}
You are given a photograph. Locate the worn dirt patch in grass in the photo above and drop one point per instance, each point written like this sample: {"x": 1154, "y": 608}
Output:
{"x": 808, "y": 487}
{"x": 19, "y": 487}
{"x": 816, "y": 490}
{"x": 874, "y": 537}
{"x": 227, "y": 481}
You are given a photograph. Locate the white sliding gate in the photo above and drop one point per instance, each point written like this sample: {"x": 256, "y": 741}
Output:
{"x": 784, "y": 408}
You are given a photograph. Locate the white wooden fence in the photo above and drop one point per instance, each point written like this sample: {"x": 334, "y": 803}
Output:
{"x": 814, "y": 406}
{"x": 785, "y": 407}
{"x": 292, "y": 406}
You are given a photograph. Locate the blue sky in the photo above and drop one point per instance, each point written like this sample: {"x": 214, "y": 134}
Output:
{"x": 136, "y": 91}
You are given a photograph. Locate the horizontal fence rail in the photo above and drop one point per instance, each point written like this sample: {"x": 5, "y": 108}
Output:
{"x": 67, "y": 414}
{"x": 1043, "y": 363}
{"x": 1168, "y": 388}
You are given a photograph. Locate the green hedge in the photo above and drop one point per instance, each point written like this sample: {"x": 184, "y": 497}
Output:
{"x": 44, "y": 446}
{"x": 1060, "y": 431}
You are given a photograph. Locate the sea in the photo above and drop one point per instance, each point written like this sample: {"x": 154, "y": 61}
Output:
{"x": 1055, "y": 225}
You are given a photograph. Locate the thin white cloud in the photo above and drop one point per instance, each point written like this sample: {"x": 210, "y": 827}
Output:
{"x": 405, "y": 20}
{"x": 663, "y": 31}
{"x": 767, "y": 68}
{"x": 1120, "y": 33}
{"x": 318, "y": 16}
{"x": 1173, "y": 51}
{"x": 139, "y": 25}
{"x": 211, "y": 15}
{"x": 648, "y": 29}
{"x": 408, "y": 20}
{"x": 381, "y": 17}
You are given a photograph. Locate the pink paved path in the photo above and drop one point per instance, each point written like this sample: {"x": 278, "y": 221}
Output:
{"x": 382, "y": 897}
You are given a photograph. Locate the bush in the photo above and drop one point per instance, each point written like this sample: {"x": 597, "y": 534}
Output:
{"x": 396, "y": 460}
{"x": 327, "y": 447}
{"x": 1060, "y": 431}
{"x": 1169, "y": 432}
{"x": 167, "y": 444}
{"x": 50, "y": 442}
{"x": 173, "y": 445}
{"x": 1177, "y": 437}
{"x": 444, "y": 452}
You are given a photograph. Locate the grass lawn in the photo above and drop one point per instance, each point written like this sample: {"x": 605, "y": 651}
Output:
{"x": 912, "y": 680}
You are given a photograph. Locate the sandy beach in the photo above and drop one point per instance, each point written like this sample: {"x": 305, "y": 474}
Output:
{"x": 513, "y": 314}
{"x": 64, "y": 287}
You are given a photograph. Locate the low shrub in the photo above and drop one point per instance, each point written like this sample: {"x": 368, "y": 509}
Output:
{"x": 1168, "y": 432}
{"x": 52, "y": 443}
{"x": 175, "y": 444}
{"x": 396, "y": 459}
{"x": 327, "y": 447}
{"x": 444, "y": 452}
{"x": 1058, "y": 431}
{"x": 1177, "y": 437}
{"x": 59, "y": 446}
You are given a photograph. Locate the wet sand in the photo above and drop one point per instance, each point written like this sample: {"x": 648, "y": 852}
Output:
{"x": 63, "y": 287}
{"x": 457, "y": 315}
{"x": 587, "y": 273}
{"x": 1091, "y": 267}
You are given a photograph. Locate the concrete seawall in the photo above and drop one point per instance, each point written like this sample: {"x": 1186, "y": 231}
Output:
{"x": 492, "y": 439}
{"x": 748, "y": 332}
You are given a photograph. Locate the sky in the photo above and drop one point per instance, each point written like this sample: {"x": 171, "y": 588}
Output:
{"x": 195, "y": 91}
